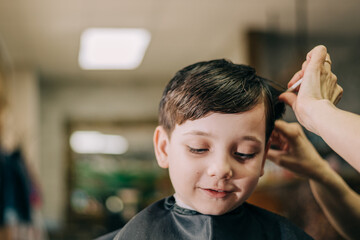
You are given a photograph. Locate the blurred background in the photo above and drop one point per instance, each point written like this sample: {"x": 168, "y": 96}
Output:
{"x": 77, "y": 158}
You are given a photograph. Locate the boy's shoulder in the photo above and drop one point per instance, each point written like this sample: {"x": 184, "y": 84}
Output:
{"x": 264, "y": 215}
{"x": 287, "y": 229}
{"x": 165, "y": 220}
{"x": 140, "y": 223}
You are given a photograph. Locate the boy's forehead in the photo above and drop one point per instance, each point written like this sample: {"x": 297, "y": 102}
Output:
{"x": 257, "y": 110}
{"x": 250, "y": 122}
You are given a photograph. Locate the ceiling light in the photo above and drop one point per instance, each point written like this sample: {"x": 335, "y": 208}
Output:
{"x": 113, "y": 48}
{"x": 92, "y": 142}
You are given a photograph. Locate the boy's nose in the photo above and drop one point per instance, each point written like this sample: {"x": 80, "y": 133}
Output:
{"x": 220, "y": 167}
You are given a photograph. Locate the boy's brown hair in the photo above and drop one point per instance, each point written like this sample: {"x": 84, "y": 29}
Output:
{"x": 217, "y": 86}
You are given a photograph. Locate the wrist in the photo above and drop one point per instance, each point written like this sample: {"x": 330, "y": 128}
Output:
{"x": 323, "y": 173}
{"x": 314, "y": 114}
{"x": 322, "y": 111}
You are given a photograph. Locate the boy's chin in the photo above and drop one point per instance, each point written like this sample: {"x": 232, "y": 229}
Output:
{"x": 216, "y": 210}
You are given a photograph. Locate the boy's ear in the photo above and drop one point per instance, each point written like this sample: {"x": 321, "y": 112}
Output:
{"x": 268, "y": 144}
{"x": 161, "y": 142}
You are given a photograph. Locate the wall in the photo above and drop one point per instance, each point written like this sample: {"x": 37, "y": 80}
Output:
{"x": 22, "y": 121}
{"x": 93, "y": 101}
{"x": 20, "y": 118}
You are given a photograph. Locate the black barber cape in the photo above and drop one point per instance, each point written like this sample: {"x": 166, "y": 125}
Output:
{"x": 166, "y": 220}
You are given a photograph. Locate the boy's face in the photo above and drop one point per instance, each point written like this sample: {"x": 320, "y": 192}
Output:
{"x": 215, "y": 161}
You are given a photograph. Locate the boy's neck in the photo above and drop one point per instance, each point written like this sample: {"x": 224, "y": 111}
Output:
{"x": 181, "y": 203}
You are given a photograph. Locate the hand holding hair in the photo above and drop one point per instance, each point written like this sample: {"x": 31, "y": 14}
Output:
{"x": 339, "y": 202}
{"x": 294, "y": 151}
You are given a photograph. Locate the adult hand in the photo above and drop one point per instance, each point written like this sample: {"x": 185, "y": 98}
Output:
{"x": 297, "y": 154}
{"x": 319, "y": 84}
{"x": 294, "y": 151}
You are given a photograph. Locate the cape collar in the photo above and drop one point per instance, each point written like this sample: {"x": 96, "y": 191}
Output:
{"x": 171, "y": 204}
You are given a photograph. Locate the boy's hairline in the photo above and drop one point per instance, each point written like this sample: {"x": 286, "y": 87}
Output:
{"x": 260, "y": 101}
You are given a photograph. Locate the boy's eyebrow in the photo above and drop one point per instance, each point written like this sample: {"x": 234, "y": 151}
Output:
{"x": 197, "y": 132}
{"x": 252, "y": 138}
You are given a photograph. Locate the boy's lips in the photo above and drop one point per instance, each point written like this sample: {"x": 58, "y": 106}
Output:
{"x": 216, "y": 193}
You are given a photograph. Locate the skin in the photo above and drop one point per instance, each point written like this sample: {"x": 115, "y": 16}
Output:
{"x": 314, "y": 106}
{"x": 214, "y": 162}
{"x": 339, "y": 202}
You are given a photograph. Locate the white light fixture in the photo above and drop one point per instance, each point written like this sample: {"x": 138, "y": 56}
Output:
{"x": 114, "y": 204}
{"x": 113, "y": 48}
{"x": 92, "y": 142}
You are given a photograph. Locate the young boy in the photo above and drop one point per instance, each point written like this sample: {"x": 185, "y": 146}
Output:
{"x": 215, "y": 121}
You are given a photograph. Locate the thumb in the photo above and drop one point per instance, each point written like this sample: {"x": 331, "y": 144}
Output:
{"x": 288, "y": 97}
{"x": 289, "y": 130}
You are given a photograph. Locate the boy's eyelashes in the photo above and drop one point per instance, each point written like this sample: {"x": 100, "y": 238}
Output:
{"x": 244, "y": 156}
{"x": 238, "y": 155}
{"x": 197, "y": 150}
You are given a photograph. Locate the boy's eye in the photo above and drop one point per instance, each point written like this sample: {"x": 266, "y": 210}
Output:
{"x": 244, "y": 156}
{"x": 198, "y": 150}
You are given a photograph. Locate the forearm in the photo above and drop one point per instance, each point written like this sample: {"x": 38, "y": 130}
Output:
{"x": 339, "y": 129}
{"x": 339, "y": 202}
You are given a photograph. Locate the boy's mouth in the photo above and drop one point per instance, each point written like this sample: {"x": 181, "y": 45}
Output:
{"x": 216, "y": 193}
